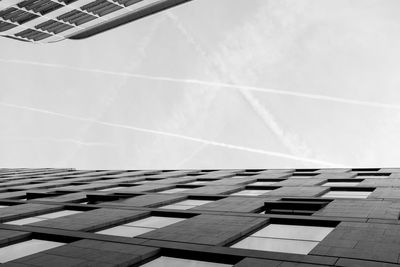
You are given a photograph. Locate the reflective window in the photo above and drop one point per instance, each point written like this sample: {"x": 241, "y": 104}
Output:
{"x": 3, "y": 206}
{"x": 175, "y": 190}
{"x": 22, "y": 249}
{"x": 111, "y": 188}
{"x": 262, "y": 183}
{"x": 298, "y": 239}
{"x": 186, "y": 204}
{"x": 142, "y": 226}
{"x": 250, "y": 192}
{"x": 199, "y": 182}
{"x": 177, "y": 262}
{"x": 347, "y": 194}
{"x": 43, "y": 217}
{"x": 332, "y": 184}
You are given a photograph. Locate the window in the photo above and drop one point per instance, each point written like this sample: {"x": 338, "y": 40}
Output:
{"x": 341, "y": 184}
{"x": 43, "y": 217}
{"x": 298, "y": 239}
{"x": 139, "y": 227}
{"x": 346, "y": 194}
{"x": 174, "y": 190}
{"x": 186, "y": 204}
{"x": 251, "y": 192}
{"x": 177, "y": 262}
{"x": 200, "y": 182}
{"x": 293, "y": 206}
{"x": 112, "y": 188}
{"x": 263, "y": 183}
{"x": 22, "y": 249}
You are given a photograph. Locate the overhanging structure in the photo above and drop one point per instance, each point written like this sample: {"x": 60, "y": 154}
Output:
{"x": 47, "y": 21}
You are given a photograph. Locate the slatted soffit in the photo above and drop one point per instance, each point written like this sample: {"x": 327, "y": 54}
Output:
{"x": 46, "y": 21}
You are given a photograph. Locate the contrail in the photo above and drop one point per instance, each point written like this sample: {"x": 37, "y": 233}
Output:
{"x": 60, "y": 140}
{"x": 179, "y": 136}
{"x": 213, "y": 84}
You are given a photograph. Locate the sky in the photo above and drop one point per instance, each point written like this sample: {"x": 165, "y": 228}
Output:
{"x": 211, "y": 84}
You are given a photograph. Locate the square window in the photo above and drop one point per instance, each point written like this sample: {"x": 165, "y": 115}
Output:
{"x": 250, "y": 192}
{"x": 347, "y": 194}
{"x": 263, "y": 183}
{"x": 155, "y": 222}
{"x": 186, "y": 204}
{"x": 177, "y": 262}
{"x": 332, "y": 184}
{"x": 111, "y": 188}
{"x": 174, "y": 190}
{"x": 298, "y": 239}
{"x": 123, "y": 230}
{"x": 25, "y": 221}
{"x": 277, "y": 245}
{"x": 26, "y": 248}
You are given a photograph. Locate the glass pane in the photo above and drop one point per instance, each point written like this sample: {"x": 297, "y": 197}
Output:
{"x": 300, "y": 232}
{"x": 250, "y": 192}
{"x": 2, "y": 206}
{"x": 26, "y": 248}
{"x": 278, "y": 245}
{"x": 194, "y": 202}
{"x": 199, "y": 182}
{"x": 262, "y": 183}
{"x": 176, "y": 207}
{"x": 176, "y": 262}
{"x": 341, "y": 184}
{"x": 175, "y": 190}
{"x": 125, "y": 231}
{"x": 112, "y": 188}
{"x": 25, "y": 221}
{"x": 58, "y": 214}
{"x": 155, "y": 222}
{"x": 347, "y": 194}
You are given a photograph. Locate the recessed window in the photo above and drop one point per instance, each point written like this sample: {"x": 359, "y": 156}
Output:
{"x": 251, "y": 192}
{"x": 177, "y": 262}
{"x": 298, "y": 239}
{"x": 43, "y": 217}
{"x": 142, "y": 226}
{"x": 111, "y": 188}
{"x": 186, "y": 204}
{"x": 22, "y": 249}
{"x": 262, "y": 183}
{"x": 332, "y": 184}
{"x": 346, "y": 194}
{"x": 175, "y": 190}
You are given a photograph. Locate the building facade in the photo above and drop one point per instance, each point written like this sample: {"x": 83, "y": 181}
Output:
{"x": 46, "y": 21}
{"x": 202, "y": 218}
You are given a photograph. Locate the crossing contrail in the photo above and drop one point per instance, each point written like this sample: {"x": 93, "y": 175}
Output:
{"x": 212, "y": 84}
{"x": 173, "y": 135}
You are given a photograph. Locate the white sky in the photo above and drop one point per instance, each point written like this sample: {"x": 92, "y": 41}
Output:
{"x": 81, "y": 104}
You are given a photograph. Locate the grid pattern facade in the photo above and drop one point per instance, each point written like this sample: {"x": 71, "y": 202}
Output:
{"x": 255, "y": 217}
{"x": 55, "y": 20}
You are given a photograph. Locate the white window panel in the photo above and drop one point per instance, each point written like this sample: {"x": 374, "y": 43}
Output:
{"x": 263, "y": 183}
{"x": 194, "y": 202}
{"x": 3, "y": 206}
{"x": 177, "y": 207}
{"x": 250, "y": 192}
{"x": 176, "y": 262}
{"x": 25, "y": 248}
{"x": 112, "y": 188}
{"x": 299, "y": 232}
{"x": 346, "y": 194}
{"x": 341, "y": 184}
{"x": 199, "y": 182}
{"x": 155, "y": 222}
{"x": 126, "y": 231}
{"x": 277, "y": 245}
{"x": 175, "y": 190}
{"x": 25, "y": 221}
{"x": 58, "y": 214}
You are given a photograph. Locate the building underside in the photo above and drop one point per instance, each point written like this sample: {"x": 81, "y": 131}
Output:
{"x": 46, "y": 21}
